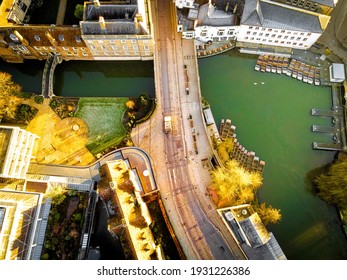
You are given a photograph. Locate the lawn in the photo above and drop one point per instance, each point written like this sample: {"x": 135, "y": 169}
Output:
{"x": 104, "y": 117}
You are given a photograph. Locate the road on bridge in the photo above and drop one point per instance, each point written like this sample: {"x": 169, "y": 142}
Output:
{"x": 180, "y": 188}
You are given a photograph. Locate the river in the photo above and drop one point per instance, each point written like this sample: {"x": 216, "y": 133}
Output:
{"x": 272, "y": 115}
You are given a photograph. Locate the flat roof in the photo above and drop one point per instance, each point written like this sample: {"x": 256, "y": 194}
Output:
{"x": 21, "y": 209}
{"x": 338, "y": 71}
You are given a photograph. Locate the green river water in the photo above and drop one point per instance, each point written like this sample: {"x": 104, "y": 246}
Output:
{"x": 272, "y": 118}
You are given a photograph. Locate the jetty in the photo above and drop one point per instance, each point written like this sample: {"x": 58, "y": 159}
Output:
{"x": 324, "y": 129}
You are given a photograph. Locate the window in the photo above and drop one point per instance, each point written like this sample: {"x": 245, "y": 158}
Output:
{"x": 292, "y": 38}
{"x": 122, "y": 41}
{"x": 203, "y": 34}
{"x": 135, "y": 47}
{"x": 133, "y": 41}
{"x": 276, "y": 41}
{"x": 273, "y": 35}
{"x": 52, "y": 48}
{"x": 285, "y": 37}
{"x": 282, "y": 31}
{"x": 37, "y": 37}
{"x": 231, "y": 32}
{"x": 84, "y": 54}
{"x": 220, "y": 32}
{"x": 267, "y": 35}
{"x": 42, "y": 53}
{"x": 125, "y": 47}
{"x": 246, "y": 38}
{"x": 279, "y": 36}
{"x": 61, "y": 37}
{"x": 261, "y": 34}
{"x": 251, "y": 27}
{"x": 65, "y": 48}
{"x": 257, "y": 28}
{"x": 114, "y": 47}
{"x": 252, "y": 38}
{"x": 305, "y": 39}
{"x": 75, "y": 49}
{"x": 146, "y": 47}
{"x": 78, "y": 39}
{"x": 248, "y": 32}
{"x": 282, "y": 42}
{"x": 254, "y": 33}
{"x": 298, "y": 38}
{"x": 37, "y": 48}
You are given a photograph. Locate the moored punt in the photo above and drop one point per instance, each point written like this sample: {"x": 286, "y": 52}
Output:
{"x": 295, "y": 74}
{"x": 279, "y": 70}
{"x": 268, "y": 67}
{"x": 262, "y": 68}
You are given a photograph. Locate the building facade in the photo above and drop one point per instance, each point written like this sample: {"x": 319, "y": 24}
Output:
{"x": 119, "y": 30}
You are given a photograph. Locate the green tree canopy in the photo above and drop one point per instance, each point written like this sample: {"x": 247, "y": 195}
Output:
{"x": 332, "y": 186}
{"x": 79, "y": 11}
{"x": 8, "y": 99}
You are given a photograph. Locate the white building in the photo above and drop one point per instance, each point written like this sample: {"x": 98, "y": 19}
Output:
{"x": 337, "y": 72}
{"x": 265, "y": 23}
{"x": 210, "y": 22}
{"x": 184, "y": 3}
{"x": 16, "y": 147}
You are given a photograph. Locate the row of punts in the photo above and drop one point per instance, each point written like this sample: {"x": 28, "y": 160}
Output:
{"x": 271, "y": 63}
{"x": 304, "y": 72}
{"x": 295, "y": 68}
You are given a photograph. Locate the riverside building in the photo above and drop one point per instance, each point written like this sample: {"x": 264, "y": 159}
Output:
{"x": 268, "y": 24}
{"x": 252, "y": 24}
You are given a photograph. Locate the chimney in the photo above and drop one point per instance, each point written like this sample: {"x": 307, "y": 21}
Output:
{"x": 96, "y": 3}
{"x": 102, "y": 23}
{"x": 26, "y": 44}
{"x": 51, "y": 39}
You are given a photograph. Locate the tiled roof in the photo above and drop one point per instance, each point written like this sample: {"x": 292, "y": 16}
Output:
{"x": 264, "y": 14}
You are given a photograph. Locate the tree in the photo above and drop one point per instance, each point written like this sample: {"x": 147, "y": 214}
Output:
{"x": 9, "y": 100}
{"x": 268, "y": 214}
{"x": 332, "y": 185}
{"x": 79, "y": 11}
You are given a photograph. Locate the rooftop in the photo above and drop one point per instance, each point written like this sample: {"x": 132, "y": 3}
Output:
{"x": 111, "y": 19}
{"x": 212, "y": 16}
{"x": 259, "y": 13}
{"x": 20, "y": 210}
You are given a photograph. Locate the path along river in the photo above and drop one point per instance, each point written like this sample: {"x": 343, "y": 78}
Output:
{"x": 272, "y": 115}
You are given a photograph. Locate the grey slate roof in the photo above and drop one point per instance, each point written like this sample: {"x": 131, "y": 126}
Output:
{"x": 212, "y": 16}
{"x": 258, "y": 13}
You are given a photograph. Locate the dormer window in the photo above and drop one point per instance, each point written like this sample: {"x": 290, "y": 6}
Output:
{"x": 61, "y": 37}
{"x": 37, "y": 37}
{"x": 78, "y": 39}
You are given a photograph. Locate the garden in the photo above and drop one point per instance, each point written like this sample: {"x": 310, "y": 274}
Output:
{"x": 65, "y": 222}
{"x": 104, "y": 117}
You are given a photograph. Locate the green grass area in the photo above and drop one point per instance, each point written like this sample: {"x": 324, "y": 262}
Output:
{"x": 104, "y": 117}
